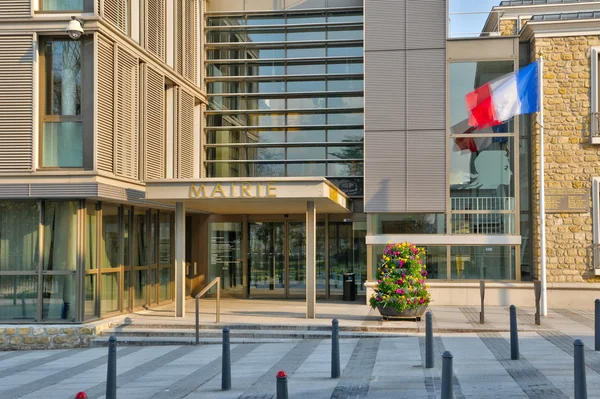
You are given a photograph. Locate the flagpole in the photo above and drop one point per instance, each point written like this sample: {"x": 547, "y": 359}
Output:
{"x": 544, "y": 298}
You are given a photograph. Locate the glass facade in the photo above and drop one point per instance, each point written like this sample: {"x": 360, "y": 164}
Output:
{"x": 47, "y": 246}
{"x": 286, "y": 97}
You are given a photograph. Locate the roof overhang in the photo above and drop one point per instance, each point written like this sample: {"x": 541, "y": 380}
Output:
{"x": 250, "y": 195}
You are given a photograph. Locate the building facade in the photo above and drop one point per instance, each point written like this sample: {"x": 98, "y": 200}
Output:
{"x": 280, "y": 144}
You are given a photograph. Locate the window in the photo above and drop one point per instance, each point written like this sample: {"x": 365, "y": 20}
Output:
{"x": 595, "y": 89}
{"x": 62, "y": 127}
{"x": 62, "y": 5}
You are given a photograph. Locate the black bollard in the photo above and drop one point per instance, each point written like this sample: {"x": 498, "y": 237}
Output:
{"x": 335, "y": 348}
{"x": 514, "y": 335}
{"x": 537, "y": 290}
{"x": 111, "y": 372}
{"x": 282, "y": 388}
{"x": 580, "y": 382}
{"x": 447, "y": 375}
{"x": 226, "y": 364}
{"x": 482, "y": 295}
{"x": 597, "y": 326}
{"x": 429, "y": 341}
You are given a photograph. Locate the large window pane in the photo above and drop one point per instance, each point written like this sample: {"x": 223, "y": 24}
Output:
{"x": 306, "y": 169}
{"x": 306, "y": 102}
{"x": 225, "y": 255}
{"x": 62, "y": 5}
{"x": 63, "y": 77}
{"x": 19, "y": 297}
{"x": 60, "y": 235}
{"x": 464, "y": 77}
{"x": 165, "y": 252}
{"x": 140, "y": 244}
{"x": 295, "y": 119}
{"x": 430, "y": 223}
{"x": 109, "y": 297}
{"x": 341, "y": 169}
{"x": 345, "y": 135}
{"x": 165, "y": 279}
{"x": 345, "y": 85}
{"x": 306, "y": 69}
{"x": 303, "y": 136}
{"x": 299, "y": 86}
{"x": 59, "y": 298}
{"x": 62, "y": 144}
{"x": 306, "y": 153}
{"x": 299, "y": 52}
{"x": 488, "y": 262}
{"x": 90, "y": 296}
{"x": 110, "y": 236}
{"x": 140, "y": 283}
{"x": 19, "y": 235}
{"x": 481, "y": 173}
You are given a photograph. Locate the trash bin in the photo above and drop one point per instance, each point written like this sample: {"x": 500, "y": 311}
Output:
{"x": 349, "y": 287}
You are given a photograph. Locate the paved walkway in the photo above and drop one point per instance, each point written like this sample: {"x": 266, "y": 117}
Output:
{"x": 371, "y": 367}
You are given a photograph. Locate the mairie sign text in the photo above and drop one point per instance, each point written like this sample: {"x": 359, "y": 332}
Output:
{"x": 234, "y": 190}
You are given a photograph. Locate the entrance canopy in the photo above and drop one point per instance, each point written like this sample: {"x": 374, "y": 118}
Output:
{"x": 250, "y": 195}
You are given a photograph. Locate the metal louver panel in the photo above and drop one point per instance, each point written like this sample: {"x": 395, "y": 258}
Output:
{"x": 186, "y": 135}
{"x": 191, "y": 48}
{"x": 117, "y": 12}
{"x": 106, "y": 105}
{"x": 155, "y": 125}
{"x": 155, "y": 27}
{"x": 15, "y": 9}
{"x": 126, "y": 142}
{"x": 179, "y": 37}
{"x": 16, "y": 103}
{"x": 427, "y": 174}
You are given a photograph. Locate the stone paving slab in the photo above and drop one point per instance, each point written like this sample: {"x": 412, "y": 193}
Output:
{"x": 376, "y": 368}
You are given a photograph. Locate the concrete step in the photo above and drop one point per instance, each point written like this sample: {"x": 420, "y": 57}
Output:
{"x": 165, "y": 341}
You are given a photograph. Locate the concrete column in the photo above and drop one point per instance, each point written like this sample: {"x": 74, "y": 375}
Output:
{"x": 179, "y": 259}
{"x": 311, "y": 260}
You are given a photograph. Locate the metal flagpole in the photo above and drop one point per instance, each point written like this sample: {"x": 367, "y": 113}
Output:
{"x": 544, "y": 297}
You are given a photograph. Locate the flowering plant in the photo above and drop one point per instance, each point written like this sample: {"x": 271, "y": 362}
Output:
{"x": 401, "y": 278}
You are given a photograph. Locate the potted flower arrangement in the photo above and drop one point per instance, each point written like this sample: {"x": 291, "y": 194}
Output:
{"x": 401, "y": 290}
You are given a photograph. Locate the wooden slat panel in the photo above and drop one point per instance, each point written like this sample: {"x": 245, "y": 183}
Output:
{"x": 16, "y": 103}
{"x": 191, "y": 27}
{"x": 126, "y": 145}
{"x": 106, "y": 105}
{"x": 179, "y": 36}
{"x": 155, "y": 29}
{"x": 186, "y": 136}
{"x": 155, "y": 125}
{"x": 15, "y": 9}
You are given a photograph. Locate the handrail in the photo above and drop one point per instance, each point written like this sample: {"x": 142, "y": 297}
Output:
{"x": 216, "y": 281}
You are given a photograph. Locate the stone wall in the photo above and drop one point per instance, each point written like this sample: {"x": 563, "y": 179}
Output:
{"x": 40, "y": 336}
{"x": 570, "y": 161}
{"x": 508, "y": 27}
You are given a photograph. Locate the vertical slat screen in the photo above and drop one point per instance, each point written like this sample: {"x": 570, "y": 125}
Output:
{"x": 155, "y": 28}
{"x": 191, "y": 22}
{"x": 186, "y": 135}
{"x": 106, "y": 105}
{"x": 155, "y": 125}
{"x": 179, "y": 36}
{"x": 15, "y": 9}
{"x": 176, "y": 128}
{"x": 117, "y": 12}
{"x": 126, "y": 146}
{"x": 16, "y": 103}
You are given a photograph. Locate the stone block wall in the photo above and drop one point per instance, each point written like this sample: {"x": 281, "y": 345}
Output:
{"x": 570, "y": 161}
{"x": 508, "y": 27}
{"x": 40, "y": 336}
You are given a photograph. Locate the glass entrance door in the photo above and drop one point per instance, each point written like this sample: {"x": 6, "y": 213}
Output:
{"x": 266, "y": 259}
{"x": 296, "y": 259}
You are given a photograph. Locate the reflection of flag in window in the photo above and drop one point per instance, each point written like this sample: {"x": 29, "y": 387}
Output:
{"x": 476, "y": 144}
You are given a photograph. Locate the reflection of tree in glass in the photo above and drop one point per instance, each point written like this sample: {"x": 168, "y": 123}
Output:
{"x": 66, "y": 68}
{"x": 355, "y": 168}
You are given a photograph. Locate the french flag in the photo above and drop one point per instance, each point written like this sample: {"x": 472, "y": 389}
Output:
{"x": 499, "y": 100}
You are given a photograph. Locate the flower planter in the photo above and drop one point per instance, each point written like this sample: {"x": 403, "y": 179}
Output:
{"x": 389, "y": 312}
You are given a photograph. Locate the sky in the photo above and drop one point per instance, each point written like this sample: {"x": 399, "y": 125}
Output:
{"x": 469, "y": 24}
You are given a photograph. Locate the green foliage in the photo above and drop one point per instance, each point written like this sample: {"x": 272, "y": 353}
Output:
{"x": 401, "y": 278}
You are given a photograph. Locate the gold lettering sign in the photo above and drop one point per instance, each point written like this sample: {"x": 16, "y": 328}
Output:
{"x": 236, "y": 190}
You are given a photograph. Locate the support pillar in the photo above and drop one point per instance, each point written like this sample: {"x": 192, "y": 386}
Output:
{"x": 311, "y": 260}
{"x": 179, "y": 259}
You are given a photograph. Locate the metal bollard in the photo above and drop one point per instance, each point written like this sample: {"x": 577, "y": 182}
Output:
{"x": 597, "y": 326}
{"x": 482, "y": 295}
{"x": 537, "y": 289}
{"x": 447, "y": 376}
{"x": 111, "y": 370}
{"x": 580, "y": 381}
{"x": 282, "y": 387}
{"x": 226, "y": 362}
{"x": 514, "y": 335}
{"x": 81, "y": 395}
{"x": 429, "y": 364}
{"x": 335, "y": 348}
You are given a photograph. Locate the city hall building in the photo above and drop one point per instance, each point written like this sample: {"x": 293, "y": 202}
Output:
{"x": 277, "y": 144}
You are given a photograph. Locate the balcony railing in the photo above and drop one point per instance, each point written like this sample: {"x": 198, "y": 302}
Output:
{"x": 483, "y": 203}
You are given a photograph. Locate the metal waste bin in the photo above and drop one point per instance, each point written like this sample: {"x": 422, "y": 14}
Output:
{"x": 349, "y": 286}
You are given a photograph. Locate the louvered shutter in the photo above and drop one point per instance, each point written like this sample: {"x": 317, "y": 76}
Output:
{"x": 15, "y": 9}
{"x": 155, "y": 125}
{"x": 126, "y": 142}
{"x": 191, "y": 22}
{"x": 16, "y": 103}
{"x": 106, "y": 105}
{"x": 186, "y": 135}
{"x": 155, "y": 27}
{"x": 179, "y": 37}
{"x": 177, "y": 130}
{"x": 117, "y": 12}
